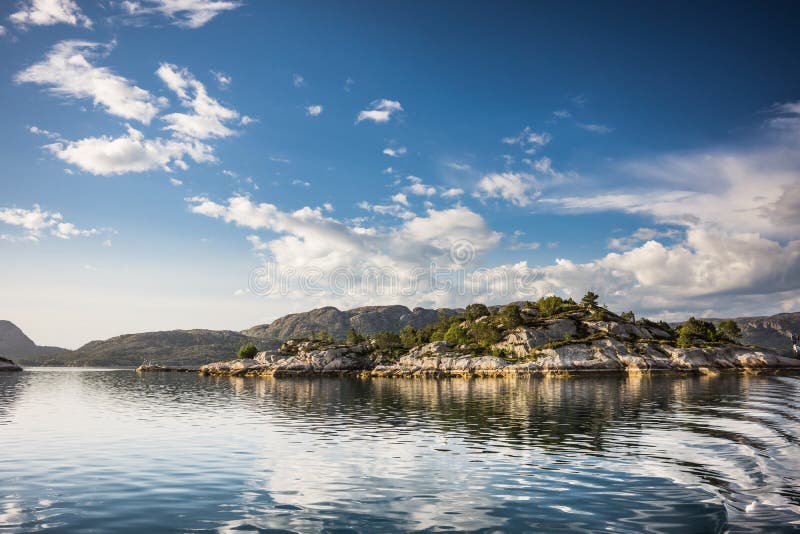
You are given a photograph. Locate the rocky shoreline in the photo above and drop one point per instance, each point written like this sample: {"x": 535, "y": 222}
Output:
{"x": 441, "y": 359}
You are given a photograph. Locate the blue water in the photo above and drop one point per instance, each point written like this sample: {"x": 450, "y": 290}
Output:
{"x": 113, "y": 451}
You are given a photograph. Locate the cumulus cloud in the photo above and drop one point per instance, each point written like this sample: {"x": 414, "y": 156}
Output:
{"x": 68, "y": 72}
{"x": 379, "y": 111}
{"x": 107, "y": 155}
{"x": 529, "y": 141}
{"x": 209, "y": 116}
{"x": 419, "y": 188}
{"x": 183, "y": 13}
{"x": 298, "y": 80}
{"x": 307, "y": 238}
{"x": 513, "y": 187}
{"x": 36, "y": 222}
{"x": 314, "y": 110}
{"x": 639, "y": 236}
{"x": 48, "y": 13}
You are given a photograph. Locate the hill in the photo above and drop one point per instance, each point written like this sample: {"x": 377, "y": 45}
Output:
{"x": 173, "y": 347}
{"x": 365, "y": 320}
{"x": 14, "y": 344}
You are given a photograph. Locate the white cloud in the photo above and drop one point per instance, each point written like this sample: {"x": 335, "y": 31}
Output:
{"x": 516, "y": 188}
{"x": 314, "y": 111}
{"x": 595, "y": 128}
{"x": 639, "y": 236}
{"x": 395, "y": 152}
{"x": 348, "y": 84}
{"x": 307, "y": 238}
{"x": 3, "y": 31}
{"x": 184, "y": 13}
{"x": 562, "y": 114}
{"x": 41, "y": 131}
{"x": 35, "y": 222}
{"x": 223, "y": 80}
{"x": 400, "y": 198}
{"x": 379, "y": 111}
{"x": 529, "y": 141}
{"x": 517, "y": 242}
{"x": 301, "y": 183}
{"x": 50, "y": 12}
{"x": 107, "y": 243}
{"x": 298, "y": 81}
{"x": 453, "y": 192}
{"x": 176, "y": 182}
{"x": 418, "y": 188}
{"x": 129, "y": 153}
{"x": 459, "y": 166}
{"x": 731, "y": 189}
{"x": 209, "y": 116}
{"x": 67, "y": 72}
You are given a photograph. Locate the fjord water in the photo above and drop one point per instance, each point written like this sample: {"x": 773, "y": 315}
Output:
{"x": 114, "y": 451}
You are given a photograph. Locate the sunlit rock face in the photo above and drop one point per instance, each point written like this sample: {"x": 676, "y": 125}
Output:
{"x": 443, "y": 359}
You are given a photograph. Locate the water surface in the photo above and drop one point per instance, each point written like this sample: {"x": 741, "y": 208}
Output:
{"x": 113, "y": 451}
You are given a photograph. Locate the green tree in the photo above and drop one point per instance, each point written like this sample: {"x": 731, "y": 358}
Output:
{"x": 511, "y": 316}
{"x": 484, "y": 333}
{"x": 247, "y": 351}
{"x": 456, "y": 335}
{"x": 387, "y": 340}
{"x": 590, "y": 299}
{"x": 729, "y": 330}
{"x": 474, "y": 312}
{"x": 323, "y": 335}
{"x": 353, "y": 337}
{"x": 549, "y": 306}
{"x": 628, "y": 316}
{"x": 408, "y": 337}
{"x": 696, "y": 329}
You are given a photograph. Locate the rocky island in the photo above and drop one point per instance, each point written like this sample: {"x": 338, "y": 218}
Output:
{"x": 552, "y": 335}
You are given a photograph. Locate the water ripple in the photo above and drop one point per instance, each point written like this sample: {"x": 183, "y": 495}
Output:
{"x": 114, "y": 451}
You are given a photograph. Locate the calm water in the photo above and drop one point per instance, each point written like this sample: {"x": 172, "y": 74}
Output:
{"x": 111, "y": 451}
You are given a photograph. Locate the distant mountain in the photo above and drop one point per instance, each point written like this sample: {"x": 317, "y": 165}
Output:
{"x": 173, "y": 347}
{"x": 365, "y": 320}
{"x": 14, "y": 344}
{"x": 773, "y": 332}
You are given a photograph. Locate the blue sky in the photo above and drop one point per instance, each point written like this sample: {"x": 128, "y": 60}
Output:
{"x": 157, "y": 155}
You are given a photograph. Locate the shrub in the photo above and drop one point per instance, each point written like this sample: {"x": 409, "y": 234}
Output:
{"x": 511, "y": 316}
{"x": 456, "y": 335}
{"x": 549, "y": 306}
{"x": 353, "y": 337}
{"x": 386, "y": 340}
{"x": 696, "y": 329}
{"x": 409, "y": 337}
{"x": 598, "y": 315}
{"x": 247, "y": 351}
{"x": 728, "y": 330}
{"x": 628, "y": 316}
{"x": 484, "y": 333}
{"x": 476, "y": 311}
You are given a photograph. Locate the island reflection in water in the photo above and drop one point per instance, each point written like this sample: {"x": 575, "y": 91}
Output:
{"x": 117, "y": 451}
